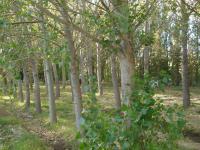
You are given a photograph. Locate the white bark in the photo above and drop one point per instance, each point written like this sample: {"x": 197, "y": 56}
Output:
{"x": 51, "y": 97}
{"x": 75, "y": 85}
{"x": 126, "y": 69}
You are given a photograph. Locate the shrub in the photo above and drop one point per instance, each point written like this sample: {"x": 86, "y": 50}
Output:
{"x": 147, "y": 124}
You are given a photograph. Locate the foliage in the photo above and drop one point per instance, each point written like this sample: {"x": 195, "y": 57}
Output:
{"x": 145, "y": 124}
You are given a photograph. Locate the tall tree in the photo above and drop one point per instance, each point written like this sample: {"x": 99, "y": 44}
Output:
{"x": 185, "y": 75}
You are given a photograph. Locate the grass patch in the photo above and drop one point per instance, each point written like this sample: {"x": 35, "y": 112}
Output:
{"x": 8, "y": 120}
{"x": 28, "y": 142}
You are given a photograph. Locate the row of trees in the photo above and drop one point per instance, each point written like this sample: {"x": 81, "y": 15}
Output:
{"x": 77, "y": 40}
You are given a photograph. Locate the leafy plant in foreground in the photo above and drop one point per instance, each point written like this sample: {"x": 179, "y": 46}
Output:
{"x": 147, "y": 124}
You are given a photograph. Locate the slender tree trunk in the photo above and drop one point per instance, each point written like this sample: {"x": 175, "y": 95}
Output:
{"x": 27, "y": 88}
{"x": 82, "y": 66}
{"x": 115, "y": 82}
{"x": 20, "y": 91}
{"x": 57, "y": 94}
{"x": 146, "y": 48}
{"x": 75, "y": 84}
{"x": 51, "y": 96}
{"x": 63, "y": 75}
{"x": 5, "y": 86}
{"x": 36, "y": 87}
{"x": 76, "y": 90}
{"x": 99, "y": 71}
{"x": 185, "y": 80}
{"x": 30, "y": 80}
{"x": 48, "y": 74}
{"x": 90, "y": 68}
{"x": 45, "y": 78}
{"x": 146, "y": 60}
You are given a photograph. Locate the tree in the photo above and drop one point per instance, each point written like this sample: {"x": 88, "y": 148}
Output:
{"x": 36, "y": 86}
{"x": 185, "y": 75}
{"x": 27, "y": 88}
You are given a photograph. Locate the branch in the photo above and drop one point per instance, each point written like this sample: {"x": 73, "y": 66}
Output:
{"x": 62, "y": 21}
{"x": 25, "y": 22}
{"x": 192, "y": 9}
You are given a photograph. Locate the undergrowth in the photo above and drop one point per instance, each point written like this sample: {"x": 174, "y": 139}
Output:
{"x": 145, "y": 124}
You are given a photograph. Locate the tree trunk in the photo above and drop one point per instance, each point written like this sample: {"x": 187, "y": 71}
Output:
{"x": 146, "y": 60}
{"x": 146, "y": 48}
{"x": 185, "y": 80}
{"x": 27, "y": 88}
{"x": 20, "y": 91}
{"x": 115, "y": 83}
{"x": 30, "y": 80}
{"x": 82, "y": 66}
{"x": 51, "y": 96}
{"x": 74, "y": 78}
{"x": 75, "y": 84}
{"x": 5, "y": 86}
{"x": 126, "y": 68}
{"x": 45, "y": 78}
{"x": 90, "y": 68}
{"x": 57, "y": 94}
{"x": 126, "y": 54}
{"x": 49, "y": 74}
{"x": 36, "y": 87}
{"x": 63, "y": 75}
{"x": 99, "y": 71}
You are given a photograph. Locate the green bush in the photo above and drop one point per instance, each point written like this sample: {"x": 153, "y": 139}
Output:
{"x": 146, "y": 124}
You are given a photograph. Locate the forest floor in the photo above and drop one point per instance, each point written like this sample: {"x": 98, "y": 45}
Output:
{"x": 22, "y": 131}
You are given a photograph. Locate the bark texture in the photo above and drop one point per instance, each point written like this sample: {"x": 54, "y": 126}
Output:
{"x": 20, "y": 91}
{"x": 75, "y": 84}
{"x": 27, "y": 88}
{"x": 185, "y": 75}
{"x": 51, "y": 96}
{"x": 99, "y": 70}
{"x": 36, "y": 87}
{"x": 63, "y": 75}
{"x": 55, "y": 72}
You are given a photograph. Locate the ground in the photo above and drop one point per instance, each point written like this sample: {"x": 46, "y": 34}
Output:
{"x": 22, "y": 131}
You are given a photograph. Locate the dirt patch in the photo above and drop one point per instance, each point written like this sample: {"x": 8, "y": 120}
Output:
{"x": 192, "y": 135}
{"x": 55, "y": 141}
{"x": 3, "y": 112}
{"x": 60, "y": 144}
